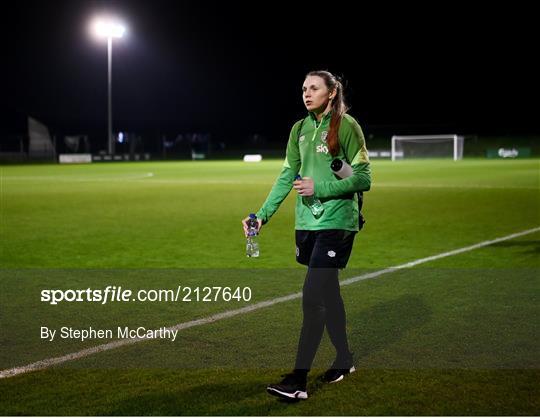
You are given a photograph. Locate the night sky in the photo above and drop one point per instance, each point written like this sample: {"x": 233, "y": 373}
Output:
{"x": 221, "y": 67}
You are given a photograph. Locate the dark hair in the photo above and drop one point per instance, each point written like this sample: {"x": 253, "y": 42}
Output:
{"x": 339, "y": 107}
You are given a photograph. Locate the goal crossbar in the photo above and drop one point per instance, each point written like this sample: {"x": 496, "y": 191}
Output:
{"x": 456, "y": 139}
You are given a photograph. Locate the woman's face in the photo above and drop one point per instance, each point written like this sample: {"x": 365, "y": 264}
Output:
{"x": 315, "y": 94}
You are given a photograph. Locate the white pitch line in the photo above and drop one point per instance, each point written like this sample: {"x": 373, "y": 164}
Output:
{"x": 88, "y": 179}
{"x": 437, "y": 256}
{"x": 44, "y": 364}
{"x": 143, "y": 177}
{"x": 454, "y": 186}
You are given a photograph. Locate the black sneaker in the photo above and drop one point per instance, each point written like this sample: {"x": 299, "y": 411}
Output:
{"x": 338, "y": 370}
{"x": 291, "y": 387}
{"x": 335, "y": 375}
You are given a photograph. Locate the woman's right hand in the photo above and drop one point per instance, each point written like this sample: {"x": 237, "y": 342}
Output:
{"x": 246, "y": 227}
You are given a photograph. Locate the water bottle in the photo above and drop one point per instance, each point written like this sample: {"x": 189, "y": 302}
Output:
{"x": 252, "y": 243}
{"x": 312, "y": 202}
{"x": 341, "y": 168}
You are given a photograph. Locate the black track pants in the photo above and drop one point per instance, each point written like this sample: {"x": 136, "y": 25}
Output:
{"x": 322, "y": 305}
{"x": 324, "y": 252}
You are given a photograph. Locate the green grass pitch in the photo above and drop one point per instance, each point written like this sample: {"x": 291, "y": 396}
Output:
{"x": 454, "y": 336}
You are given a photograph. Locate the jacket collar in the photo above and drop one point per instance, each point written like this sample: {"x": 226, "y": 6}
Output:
{"x": 324, "y": 119}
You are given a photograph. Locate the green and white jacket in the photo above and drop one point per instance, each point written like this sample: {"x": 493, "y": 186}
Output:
{"x": 308, "y": 155}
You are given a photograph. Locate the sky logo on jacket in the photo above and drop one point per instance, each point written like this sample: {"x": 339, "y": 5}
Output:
{"x": 322, "y": 148}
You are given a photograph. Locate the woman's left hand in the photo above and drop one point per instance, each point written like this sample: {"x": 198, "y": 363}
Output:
{"x": 304, "y": 187}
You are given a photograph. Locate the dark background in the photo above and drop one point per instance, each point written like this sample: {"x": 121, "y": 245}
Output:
{"x": 234, "y": 69}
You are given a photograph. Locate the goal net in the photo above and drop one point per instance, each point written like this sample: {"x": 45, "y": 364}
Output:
{"x": 427, "y": 146}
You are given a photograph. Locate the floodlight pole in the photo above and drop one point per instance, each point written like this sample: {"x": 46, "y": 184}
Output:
{"x": 109, "y": 29}
{"x": 109, "y": 78}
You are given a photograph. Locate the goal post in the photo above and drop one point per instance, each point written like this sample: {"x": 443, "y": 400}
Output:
{"x": 427, "y": 146}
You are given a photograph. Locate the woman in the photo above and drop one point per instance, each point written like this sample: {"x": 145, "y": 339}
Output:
{"x": 323, "y": 242}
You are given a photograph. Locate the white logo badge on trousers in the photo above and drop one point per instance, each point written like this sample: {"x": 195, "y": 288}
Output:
{"x": 331, "y": 253}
